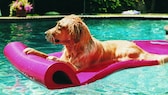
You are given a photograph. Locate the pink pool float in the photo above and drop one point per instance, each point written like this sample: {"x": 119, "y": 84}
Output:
{"x": 55, "y": 75}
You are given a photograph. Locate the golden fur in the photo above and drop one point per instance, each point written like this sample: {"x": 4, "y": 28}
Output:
{"x": 83, "y": 51}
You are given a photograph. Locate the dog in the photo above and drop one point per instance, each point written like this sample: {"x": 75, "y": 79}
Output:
{"x": 82, "y": 50}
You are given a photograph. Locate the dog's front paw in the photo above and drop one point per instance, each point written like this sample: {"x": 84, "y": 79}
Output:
{"x": 53, "y": 58}
{"x": 29, "y": 51}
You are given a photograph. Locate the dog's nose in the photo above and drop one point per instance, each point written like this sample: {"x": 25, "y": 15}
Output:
{"x": 45, "y": 33}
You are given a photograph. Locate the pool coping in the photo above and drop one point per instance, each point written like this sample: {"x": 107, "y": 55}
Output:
{"x": 98, "y": 16}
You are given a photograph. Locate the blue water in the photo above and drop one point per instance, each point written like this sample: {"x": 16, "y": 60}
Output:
{"x": 136, "y": 81}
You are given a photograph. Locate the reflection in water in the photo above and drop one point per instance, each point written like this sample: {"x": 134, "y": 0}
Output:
{"x": 20, "y": 31}
{"x": 15, "y": 32}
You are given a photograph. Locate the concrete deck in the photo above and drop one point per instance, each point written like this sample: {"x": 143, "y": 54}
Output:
{"x": 97, "y": 16}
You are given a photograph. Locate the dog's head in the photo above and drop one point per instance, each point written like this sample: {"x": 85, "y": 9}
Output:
{"x": 70, "y": 29}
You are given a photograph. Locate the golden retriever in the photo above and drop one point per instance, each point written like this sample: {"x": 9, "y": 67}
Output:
{"x": 82, "y": 51}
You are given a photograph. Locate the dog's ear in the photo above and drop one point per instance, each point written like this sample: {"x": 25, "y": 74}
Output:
{"x": 77, "y": 32}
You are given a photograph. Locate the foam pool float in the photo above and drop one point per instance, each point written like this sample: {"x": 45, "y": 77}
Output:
{"x": 55, "y": 75}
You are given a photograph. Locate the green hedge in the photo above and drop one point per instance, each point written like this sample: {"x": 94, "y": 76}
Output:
{"x": 111, "y": 6}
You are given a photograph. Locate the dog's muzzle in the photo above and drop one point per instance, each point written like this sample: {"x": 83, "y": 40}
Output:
{"x": 50, "y": 38}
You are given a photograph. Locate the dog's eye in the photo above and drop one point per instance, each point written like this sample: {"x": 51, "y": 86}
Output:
{"x": 59, "y": 27}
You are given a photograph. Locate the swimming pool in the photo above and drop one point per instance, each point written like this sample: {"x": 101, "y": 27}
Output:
{"x": 137, "y": 81}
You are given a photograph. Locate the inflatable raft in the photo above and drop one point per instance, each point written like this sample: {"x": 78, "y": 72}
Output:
{"x": 55, "y": 75}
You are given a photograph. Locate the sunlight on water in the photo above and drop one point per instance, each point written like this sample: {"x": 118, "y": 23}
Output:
{"x": 137, "y": 81}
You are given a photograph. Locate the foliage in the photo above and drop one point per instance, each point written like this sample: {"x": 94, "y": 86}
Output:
{"x": 113, "y": 5}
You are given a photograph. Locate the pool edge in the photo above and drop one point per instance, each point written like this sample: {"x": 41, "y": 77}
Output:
{"x": 98, "y": 16}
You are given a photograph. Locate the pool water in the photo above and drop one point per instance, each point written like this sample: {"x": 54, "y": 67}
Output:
{"x": 136, "y": 81}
